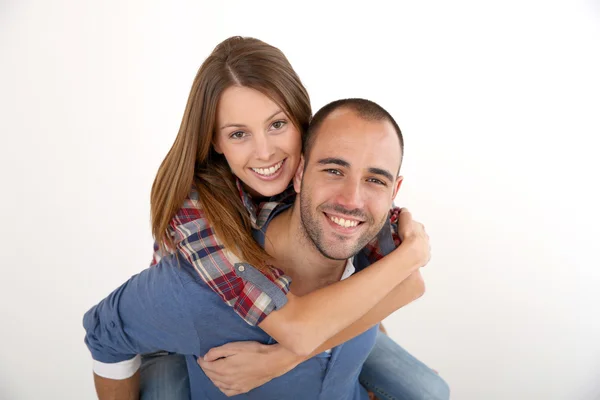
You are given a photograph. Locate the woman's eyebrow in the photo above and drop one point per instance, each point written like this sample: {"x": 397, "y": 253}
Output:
{"x": 243, "y": 126}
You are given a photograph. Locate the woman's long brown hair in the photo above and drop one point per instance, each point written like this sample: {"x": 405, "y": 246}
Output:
{"x": 192, "y": 161}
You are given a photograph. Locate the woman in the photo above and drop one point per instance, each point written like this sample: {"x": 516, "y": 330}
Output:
{"x": 231, "y": 168}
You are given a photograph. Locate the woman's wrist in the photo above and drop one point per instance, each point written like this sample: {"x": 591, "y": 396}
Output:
{"x": 284, "y": 359}
{"x": 410, "y": 256}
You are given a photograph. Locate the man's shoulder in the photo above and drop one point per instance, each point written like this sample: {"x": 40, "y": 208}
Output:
{"x": 268, "y": 212}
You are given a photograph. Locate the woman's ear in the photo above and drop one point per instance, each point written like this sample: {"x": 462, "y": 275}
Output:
{"x": 216, "y": 146}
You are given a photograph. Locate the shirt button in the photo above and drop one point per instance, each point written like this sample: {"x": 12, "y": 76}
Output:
{"x": 241, "y": 268}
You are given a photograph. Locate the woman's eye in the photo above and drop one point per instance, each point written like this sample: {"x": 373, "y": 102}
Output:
{"x": 278, "y": 124}
{"x": 237, "y": 135}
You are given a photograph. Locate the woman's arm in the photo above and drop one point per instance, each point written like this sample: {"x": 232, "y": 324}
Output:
{"x": 300, "y": 324}
{"x": 306, "y": 323}
{"x": 406, "y": 292}
{"x": 248, "y": 365}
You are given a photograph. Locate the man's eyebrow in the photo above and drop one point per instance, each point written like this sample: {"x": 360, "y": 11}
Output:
{"x": 344, "y": 163}
{"x": 334, "y": 160}
{"x": 243, "y": 126}
{"x": 383, "y": 172}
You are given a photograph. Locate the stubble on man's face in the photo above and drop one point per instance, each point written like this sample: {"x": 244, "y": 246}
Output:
{"x": 335, "y": 247}
{"x": 348, "y": 183}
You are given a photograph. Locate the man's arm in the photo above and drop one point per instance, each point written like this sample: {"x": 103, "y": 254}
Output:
{"x": 124, "y": 389}
{"x": 144, "y": 315}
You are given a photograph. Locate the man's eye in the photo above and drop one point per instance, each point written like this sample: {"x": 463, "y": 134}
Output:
{"x": 377, "y": 181}
{"x": 237, "y": 135}
{"x": 334, "y": 171}
{"x": 278, "y": 124}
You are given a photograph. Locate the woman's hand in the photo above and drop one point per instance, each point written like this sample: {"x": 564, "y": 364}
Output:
{"x": 415, "y": 241}
{"x": 239, "y": 367}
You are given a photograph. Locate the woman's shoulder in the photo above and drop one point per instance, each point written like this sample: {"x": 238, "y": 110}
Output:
{"x": 189, "y": 218}
{"x": 251, "y": 294}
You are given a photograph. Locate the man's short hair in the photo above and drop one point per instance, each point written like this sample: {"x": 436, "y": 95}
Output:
{"x": 365, "y": 109}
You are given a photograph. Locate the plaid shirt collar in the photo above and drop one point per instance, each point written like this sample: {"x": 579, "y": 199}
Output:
{"x": 259, "y": 213}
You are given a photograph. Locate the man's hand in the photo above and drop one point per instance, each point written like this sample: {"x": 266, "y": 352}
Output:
{"x": 415, "y": 241}
{"x": 239, "y": 367}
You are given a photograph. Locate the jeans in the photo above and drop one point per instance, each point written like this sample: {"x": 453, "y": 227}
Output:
{"x": 164, "y": 376}
{"x": 390, "y": 372}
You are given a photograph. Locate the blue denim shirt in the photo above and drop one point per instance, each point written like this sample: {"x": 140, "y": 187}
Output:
{"x": 169, "y": 307}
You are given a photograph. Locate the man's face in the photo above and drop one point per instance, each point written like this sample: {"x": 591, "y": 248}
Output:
{"x": 349, "y": 183}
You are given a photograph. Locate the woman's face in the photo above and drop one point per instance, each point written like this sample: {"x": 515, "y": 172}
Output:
{"x": 259, "y": 141}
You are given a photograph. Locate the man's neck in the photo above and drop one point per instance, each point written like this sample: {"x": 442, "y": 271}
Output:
{"x": 295, "y": 254}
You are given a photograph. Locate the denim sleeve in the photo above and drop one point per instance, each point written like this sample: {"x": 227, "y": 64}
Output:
{"x": 147, "y": 313}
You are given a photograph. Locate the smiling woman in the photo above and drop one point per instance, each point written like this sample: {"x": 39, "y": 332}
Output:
{"x": 241, "y": 77}
{"x": 262, "y": 153}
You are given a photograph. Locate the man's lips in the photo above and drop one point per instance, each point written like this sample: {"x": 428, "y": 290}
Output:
{"x": 343, "y": 221}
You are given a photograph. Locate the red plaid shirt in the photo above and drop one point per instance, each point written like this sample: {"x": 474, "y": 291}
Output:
{"x": 196, "y": 241}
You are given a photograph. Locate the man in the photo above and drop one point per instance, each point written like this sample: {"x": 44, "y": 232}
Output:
{"x": 345, "y": 129}
{"x": 347, "y": 183}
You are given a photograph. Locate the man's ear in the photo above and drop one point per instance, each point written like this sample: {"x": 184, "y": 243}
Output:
{"x": 298, "y": 175}
{"x": 397, "y": 185}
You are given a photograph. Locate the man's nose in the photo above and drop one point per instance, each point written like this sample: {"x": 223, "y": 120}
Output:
{"x": 350, "y": 195}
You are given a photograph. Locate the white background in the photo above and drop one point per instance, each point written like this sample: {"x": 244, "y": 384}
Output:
{"x": 499, "y": 103}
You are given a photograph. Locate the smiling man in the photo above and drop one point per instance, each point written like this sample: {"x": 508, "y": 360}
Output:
{"x": 353, "y": 157}
{"x": 346, "y": 182}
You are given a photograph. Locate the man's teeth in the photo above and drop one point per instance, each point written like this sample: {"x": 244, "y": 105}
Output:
{"x": 346, "y": 223}
{"x": 268, "y": 171}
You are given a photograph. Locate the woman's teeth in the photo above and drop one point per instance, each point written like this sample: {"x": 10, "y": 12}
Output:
{"x": 346, "y": 223}
{"x": 268, "y": 171}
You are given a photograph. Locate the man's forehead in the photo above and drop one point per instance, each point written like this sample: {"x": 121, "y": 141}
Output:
{"x": 345, "y": 123}
{"x": 341, "y": 116}
{"x": 344, "y": 131}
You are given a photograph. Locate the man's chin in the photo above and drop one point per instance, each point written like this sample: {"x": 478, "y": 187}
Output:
{"x": 335, "y": 257}
{"x": 337, "y": 254}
